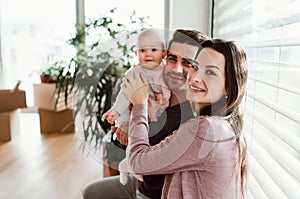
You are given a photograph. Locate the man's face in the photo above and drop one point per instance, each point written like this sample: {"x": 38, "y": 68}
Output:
{"x": 178, "y": 64}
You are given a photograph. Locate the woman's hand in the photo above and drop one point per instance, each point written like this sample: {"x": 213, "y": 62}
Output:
{"x": 135, "y": 87}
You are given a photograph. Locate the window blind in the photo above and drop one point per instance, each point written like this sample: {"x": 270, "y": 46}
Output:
{"x": 269, "y": 32}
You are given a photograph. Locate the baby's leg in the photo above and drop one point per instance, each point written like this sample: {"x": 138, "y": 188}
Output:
{"x": 123, "y": 171}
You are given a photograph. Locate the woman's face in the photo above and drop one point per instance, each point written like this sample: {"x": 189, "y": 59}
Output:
{"x": 206, "y": 79}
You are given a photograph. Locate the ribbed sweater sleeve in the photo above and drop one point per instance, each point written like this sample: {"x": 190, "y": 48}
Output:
{"x": 175, "y": 153}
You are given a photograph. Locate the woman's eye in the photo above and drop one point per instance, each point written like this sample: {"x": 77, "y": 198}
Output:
{"x": 210, "y": 72}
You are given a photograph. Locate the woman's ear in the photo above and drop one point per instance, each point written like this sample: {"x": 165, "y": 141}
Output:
{"x": 226, "y": 95}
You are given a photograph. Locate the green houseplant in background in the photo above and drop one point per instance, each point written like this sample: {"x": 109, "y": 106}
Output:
{"x": 93, "y": 75}
{"x": 51, "y": 74}
{"x": 98, "y": 70}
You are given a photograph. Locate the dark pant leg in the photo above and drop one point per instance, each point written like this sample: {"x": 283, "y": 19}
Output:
{"x": 110, "y": 188}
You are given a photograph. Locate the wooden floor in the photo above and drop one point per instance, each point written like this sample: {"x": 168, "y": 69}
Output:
{"x": 44, "y": 166}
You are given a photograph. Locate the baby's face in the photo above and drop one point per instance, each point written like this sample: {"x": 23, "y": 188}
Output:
{"x": 150, "y": 52}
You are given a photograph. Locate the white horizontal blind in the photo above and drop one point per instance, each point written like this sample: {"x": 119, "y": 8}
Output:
{"x": 270, "y": 33}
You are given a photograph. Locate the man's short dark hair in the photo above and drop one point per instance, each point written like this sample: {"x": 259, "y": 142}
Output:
{"x": 191, "y": 37}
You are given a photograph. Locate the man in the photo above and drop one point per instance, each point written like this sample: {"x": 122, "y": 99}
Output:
{"x": 182, "y": 49}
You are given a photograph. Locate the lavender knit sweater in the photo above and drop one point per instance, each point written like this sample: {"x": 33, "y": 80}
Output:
{"x": 196, "y": 160}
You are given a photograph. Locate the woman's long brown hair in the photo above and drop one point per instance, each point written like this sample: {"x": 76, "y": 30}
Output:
{"x": 236, "y": 74}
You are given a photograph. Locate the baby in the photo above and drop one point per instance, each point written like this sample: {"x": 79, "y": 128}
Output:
{"x": 150, "y": 53}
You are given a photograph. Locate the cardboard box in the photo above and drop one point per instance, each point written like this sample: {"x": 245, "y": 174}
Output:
{"x": 56, "y": 121}
{"x": 45, "y": 97}
{"x": 12, "y": 100}
{"x": 9, "y": 125}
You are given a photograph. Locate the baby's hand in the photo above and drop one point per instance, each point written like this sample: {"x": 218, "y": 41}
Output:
{"x": 111, "y": 115}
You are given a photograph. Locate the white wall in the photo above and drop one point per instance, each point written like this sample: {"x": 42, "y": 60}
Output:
{"x": 188, "y": 14}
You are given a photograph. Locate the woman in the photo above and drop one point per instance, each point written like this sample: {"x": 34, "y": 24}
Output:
{"x": 207, "y": 156}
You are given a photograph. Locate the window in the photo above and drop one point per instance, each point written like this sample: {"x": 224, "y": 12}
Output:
{"x": 33, "y": 35}
{"x": 154, "y": 10}
{"x": 270, "y": 34}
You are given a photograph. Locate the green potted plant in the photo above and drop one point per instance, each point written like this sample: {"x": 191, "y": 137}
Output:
{"x": 94, "y": 78}
{"x": 51, "y": 73}
{"x": 97, "y": 73}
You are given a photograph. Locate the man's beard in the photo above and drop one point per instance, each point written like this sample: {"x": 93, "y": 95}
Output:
{"x": 175, "y": 84}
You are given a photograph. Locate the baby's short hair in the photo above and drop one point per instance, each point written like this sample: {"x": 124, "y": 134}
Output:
{"x": 153, "y": 32}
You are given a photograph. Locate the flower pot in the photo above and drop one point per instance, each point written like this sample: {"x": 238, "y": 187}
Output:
{"x": 47, "y": 79}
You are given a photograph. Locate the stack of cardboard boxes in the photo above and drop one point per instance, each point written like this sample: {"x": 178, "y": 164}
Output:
{"x": 10, "y": 102}
{"x": 53, "y": 119}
